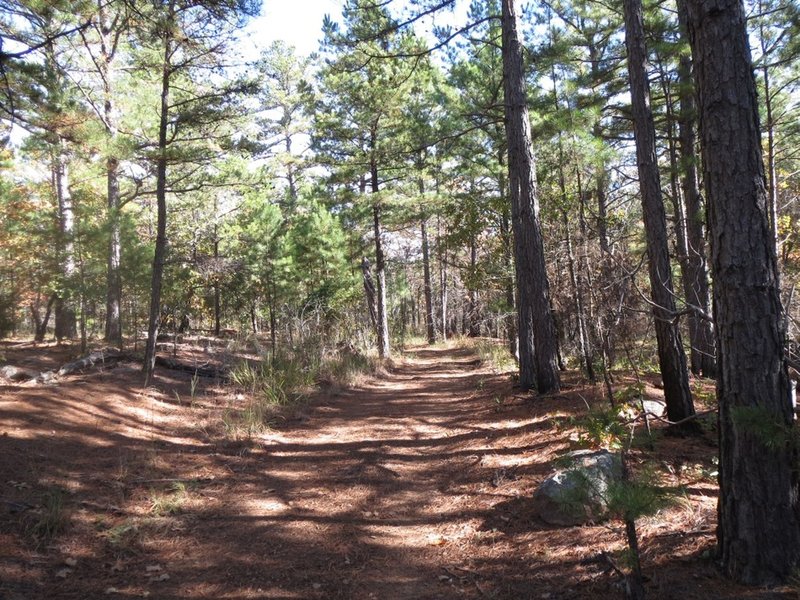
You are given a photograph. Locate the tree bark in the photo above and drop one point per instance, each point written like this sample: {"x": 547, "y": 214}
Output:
{"x": 160, "y": 255}
{"x": 671, "y": 358}
{"x": 759, "y": 531}
{"x": 538, "y": 361}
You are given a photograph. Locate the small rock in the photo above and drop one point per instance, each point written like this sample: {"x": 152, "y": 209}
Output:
{"x": 316, "y": 586}
{"x": 111, "y": 590}
{"x": 63, "y": 573}
{"x": 70, "y": 562}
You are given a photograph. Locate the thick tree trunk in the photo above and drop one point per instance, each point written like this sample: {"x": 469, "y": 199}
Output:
{"x": 538, "y": 363}
{"x": 758, "y": 531}
{"x": 671, "y": 357}
{"x": 160, "y": 255}
{"x": 701, "y": 331}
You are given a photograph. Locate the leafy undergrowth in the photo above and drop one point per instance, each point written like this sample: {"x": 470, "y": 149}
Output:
{"x": 414, "y": 483}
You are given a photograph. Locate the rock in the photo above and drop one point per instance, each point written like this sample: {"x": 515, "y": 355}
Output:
{"x": 655, "y": 407}
{"x": 16, "y": 374}
{"x": 577, "y": 493}
{"x": 46, "y": 377}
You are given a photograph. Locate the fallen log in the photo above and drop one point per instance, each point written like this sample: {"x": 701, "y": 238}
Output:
{"x": 204, "y": 370}
{"x": 104, "y": 358}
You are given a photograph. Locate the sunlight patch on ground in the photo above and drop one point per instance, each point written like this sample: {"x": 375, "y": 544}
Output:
{"x": 263, "y": 506}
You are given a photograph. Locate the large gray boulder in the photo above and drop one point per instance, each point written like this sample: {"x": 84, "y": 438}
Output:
{"x": 577, "y": 493}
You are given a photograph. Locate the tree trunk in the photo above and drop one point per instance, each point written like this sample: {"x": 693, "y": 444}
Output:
{"x": 273, "y": 324}
{"x": 160, "y": 255}
{"x": 430, "y": 319}
{"x": 40, "y": 325}
{"x": 430, "y": 324}
{"x": 508, "y": 261}
{"x": 701, "y": 331}
{"x": 584, "y": 348}
{"x": 680, "y": 226}
{"x": 600, "y": 179}
{"x": 369, "y": 292}
{"x": 671, "y": 357}
{"x": 758, "y": 532}
{"x": 473, "y": 328}
{"x": 66, "y": 323}
{"x": 442, "y": 280}
{"x": 217, "y": 307}
{"x": 537, "y": 364}
{"x": 772, "y": 177}
{"x": 380, "y": 267}
{"x": 113, "y": 324}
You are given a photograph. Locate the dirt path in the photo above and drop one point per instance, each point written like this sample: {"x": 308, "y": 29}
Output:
{"x": 412, "y": 486}
{"x": 380, "y": 492}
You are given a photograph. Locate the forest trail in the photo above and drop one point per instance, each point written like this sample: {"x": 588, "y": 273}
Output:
{"x": 381, "y": 490}
{"x": 413, "y": 485}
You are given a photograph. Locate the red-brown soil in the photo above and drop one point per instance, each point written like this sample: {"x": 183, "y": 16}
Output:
{"x": 414, "y": 485}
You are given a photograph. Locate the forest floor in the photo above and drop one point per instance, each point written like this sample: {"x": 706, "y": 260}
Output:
{"x": 414, "y": 484}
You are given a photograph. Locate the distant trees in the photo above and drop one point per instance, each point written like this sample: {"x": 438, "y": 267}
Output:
{"x": 359, "y": 120}
{"x": 186, "y": 43}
